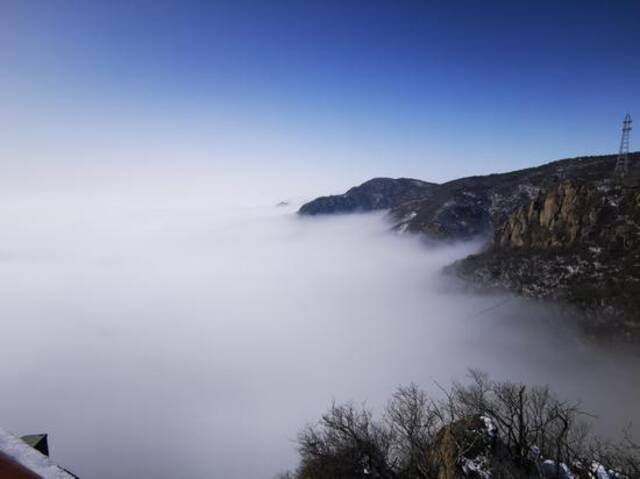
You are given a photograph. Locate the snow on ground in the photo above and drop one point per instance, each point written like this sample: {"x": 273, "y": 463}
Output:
{"x": 489, "y": 424}
{"x": 478, "y": 466}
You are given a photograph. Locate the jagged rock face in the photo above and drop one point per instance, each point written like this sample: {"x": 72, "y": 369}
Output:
{"x": 567, "y": 231}
{"x": 568, "y": 214}
{"x": 464, "y": 208}
{"x": 376, "y": 194}
{"x": 577, "y": 243}
{"x": 469, "y": 207}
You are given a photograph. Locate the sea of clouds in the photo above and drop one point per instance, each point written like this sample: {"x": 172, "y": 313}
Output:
{"x": 171, "y": 334}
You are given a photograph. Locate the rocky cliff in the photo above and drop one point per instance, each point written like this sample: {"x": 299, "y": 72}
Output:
{"x": 461, "y": 208}
{"x": 467, "y": 207}
{"x": 567, "y": 231}
{"x": 578, "y": 242}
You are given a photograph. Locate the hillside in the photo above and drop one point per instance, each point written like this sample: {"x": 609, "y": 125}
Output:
{"x": 567, "y": 231}
{"x": 577, "y": 242}
{"x": 375, "y": 194}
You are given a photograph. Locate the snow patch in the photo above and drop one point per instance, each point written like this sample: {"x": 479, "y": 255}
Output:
{"x": 478, "y": 466}
{"x": 410, "y": 216}
{"x": 550, "y": 469}
{"x": 489, "y": 425}
{"x": 598, "y": 471}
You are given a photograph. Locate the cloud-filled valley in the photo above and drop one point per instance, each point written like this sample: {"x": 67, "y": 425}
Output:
{"x": 161, "y": 338}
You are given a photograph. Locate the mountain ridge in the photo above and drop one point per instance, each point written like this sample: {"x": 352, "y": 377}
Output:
{"x": 567, "y": 231}
{"x": 374, "y": 194}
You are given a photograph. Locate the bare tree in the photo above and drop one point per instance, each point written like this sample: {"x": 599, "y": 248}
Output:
{"x": 623, "y": 458}
{"x": 531, "y": 421}
{"x": 414, "y": 420}
{"x": 511, "y": 428}
{"x": 347, "y": 443}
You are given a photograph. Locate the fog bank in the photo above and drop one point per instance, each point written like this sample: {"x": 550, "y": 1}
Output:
{"x": 193, "y": 335}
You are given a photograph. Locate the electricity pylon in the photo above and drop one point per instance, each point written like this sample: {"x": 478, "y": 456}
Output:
{"x": 622, "y": 164}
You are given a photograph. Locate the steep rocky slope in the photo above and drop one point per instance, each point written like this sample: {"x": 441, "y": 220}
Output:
{"x": 470, "y": 206}
{"x": 577, "y": 242}
{"x": 461, "y": 208}
{"x": 567, "y": 231}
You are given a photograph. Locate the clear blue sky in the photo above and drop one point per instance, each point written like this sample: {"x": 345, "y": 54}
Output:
{"x": 399, "y": 88}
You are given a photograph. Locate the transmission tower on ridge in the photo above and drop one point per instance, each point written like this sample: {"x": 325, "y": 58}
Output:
{"x": 622, "y": 165}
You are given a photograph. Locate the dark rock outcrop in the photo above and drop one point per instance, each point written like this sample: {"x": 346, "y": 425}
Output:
{"x": 464, "y": 449}
{"x": 375, "y": 194}
{"x": 578, "y": 243}
{"x": 470, "y": 448}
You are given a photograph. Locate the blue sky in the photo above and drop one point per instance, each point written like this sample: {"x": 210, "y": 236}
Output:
{"x": 356, "y": 89}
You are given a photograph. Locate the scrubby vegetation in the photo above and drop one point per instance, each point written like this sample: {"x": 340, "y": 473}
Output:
{"x": 481, "y": 429}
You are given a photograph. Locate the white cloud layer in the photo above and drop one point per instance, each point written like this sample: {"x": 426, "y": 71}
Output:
{"x": 191, "y": 334}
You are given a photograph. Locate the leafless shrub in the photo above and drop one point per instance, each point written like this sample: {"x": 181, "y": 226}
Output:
{"x": 531, "y": 425}
{"x": 622, "y": 458}
{"x": 531, "y": 421}
{"x": 347, "y": 443}
{"x": 414, "y": 419}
